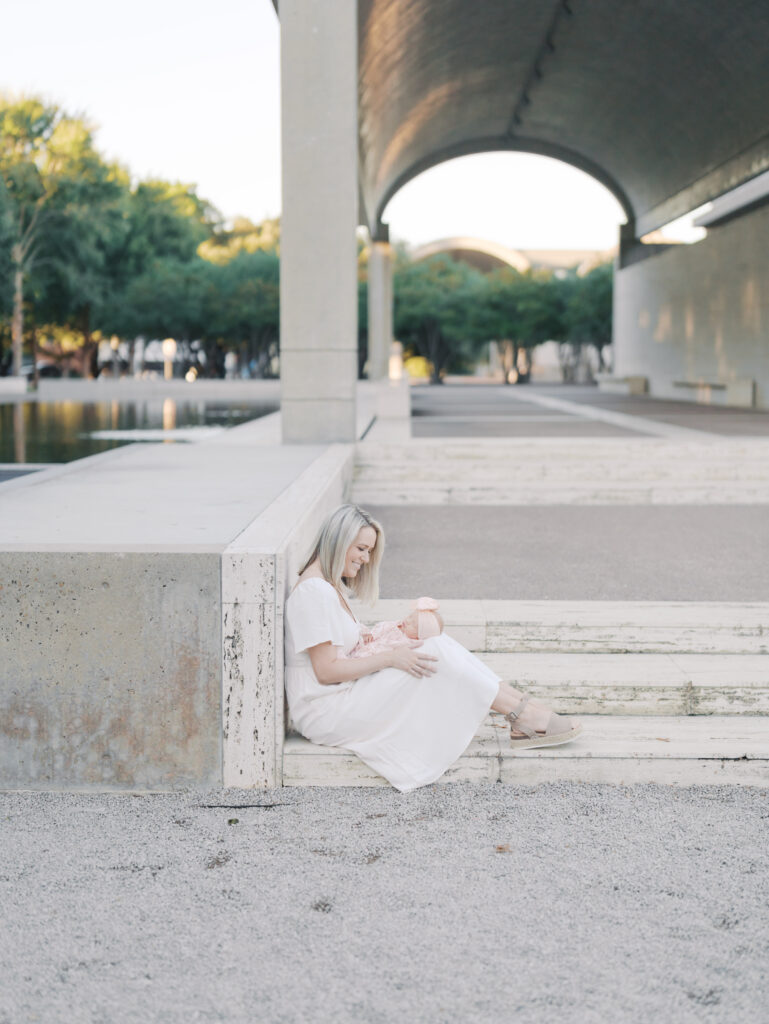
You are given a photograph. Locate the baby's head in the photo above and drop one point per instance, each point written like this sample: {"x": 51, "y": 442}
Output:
{"x": 424, "y": 621}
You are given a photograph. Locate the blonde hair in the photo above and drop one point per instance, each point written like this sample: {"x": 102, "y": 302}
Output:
{"x": 337, "y": 535}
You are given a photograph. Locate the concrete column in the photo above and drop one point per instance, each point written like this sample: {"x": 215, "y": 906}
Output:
{"x": 318, "y": 258}
{"x": 380, "y": 309}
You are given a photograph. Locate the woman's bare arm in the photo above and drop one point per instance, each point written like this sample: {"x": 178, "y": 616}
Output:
{"x": 329, "y": 668}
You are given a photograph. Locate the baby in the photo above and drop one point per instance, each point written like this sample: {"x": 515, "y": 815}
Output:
{"x": 423, "y": 622}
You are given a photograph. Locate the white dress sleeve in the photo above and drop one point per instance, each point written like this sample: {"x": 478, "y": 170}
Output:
{"x": 315, "y": 616}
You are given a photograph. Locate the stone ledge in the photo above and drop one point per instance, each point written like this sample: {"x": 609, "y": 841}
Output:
{"x": 640, "y": 684}
{"x": 601, "y": 627}
{"x": 141, "y": 608}
{"x": 615, "y": 749}
{"x": 13, "y": 386}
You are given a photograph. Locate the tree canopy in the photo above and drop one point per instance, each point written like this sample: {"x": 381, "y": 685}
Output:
{"x": 446, "y": 311}
{"x": 87, "y": 252}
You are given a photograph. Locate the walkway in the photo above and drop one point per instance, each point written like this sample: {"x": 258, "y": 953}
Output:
{"x": 467, "y": 408}
{"x": 679, "y": 515}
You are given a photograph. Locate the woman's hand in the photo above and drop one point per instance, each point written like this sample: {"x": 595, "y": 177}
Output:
{"x": 330, "y": 668}
{"x": 413, "y": 661}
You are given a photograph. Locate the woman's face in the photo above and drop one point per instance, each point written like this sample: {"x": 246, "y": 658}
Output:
{"x": 359, "y": 551}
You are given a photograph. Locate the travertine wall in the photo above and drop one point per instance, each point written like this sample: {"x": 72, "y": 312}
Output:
{"x": 698, "y": 312}
{"x": 258, "y": 571}
{"x": 141, "y": 603}
{"x": 109, "y": 670}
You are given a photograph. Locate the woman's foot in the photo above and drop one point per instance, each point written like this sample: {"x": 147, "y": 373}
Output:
{"x": 534, "y": 715}
{"x": 533, "y": 724}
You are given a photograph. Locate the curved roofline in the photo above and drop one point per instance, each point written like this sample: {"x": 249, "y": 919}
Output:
{"x": 506, "y": 144}
{"x": 510, "y": 257}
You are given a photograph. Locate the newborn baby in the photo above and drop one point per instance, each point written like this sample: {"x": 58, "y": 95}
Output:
{"x": 423, "y": 622}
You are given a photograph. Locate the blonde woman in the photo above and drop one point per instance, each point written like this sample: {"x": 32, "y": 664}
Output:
{"x": 409, "y": 712}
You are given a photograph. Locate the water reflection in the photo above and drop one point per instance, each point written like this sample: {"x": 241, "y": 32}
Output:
{"x": 169, "y": 414}
{"x": 19, "y": 434}
{"x": 60, "y": 431}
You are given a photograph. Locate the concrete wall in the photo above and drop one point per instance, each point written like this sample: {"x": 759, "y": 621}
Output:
{"x": 117, "y": 606}
{"x": 109, "y": 670}
{"x": 259, "y": 569}
{"x": 141, "y": 605}
{"x": 698, "y": 312}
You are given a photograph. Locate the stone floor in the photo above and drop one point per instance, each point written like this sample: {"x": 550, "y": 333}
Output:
{"x": 560, "y": 552}
{"x": 464, "y": 407}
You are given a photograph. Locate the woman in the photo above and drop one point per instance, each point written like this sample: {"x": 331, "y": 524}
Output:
{"x": 410, "y": 712}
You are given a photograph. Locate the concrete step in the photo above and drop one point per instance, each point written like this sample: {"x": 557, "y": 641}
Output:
{"x": 640, "y": 684}
{"x": 678, "y": 750}
{"x": 545, "y": 471}
{"x": 719, "y": 446}
{"x": 601, "y": 627}
{"x": 459, "y": 491}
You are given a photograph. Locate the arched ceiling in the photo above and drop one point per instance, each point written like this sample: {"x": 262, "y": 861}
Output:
{"x": 663, "y": 101}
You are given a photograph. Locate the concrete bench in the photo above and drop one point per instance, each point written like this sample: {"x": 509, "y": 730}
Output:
{"x": 615, "y": 749}
{"x": 632, "y": 385}
{"x": 740, "y": 392}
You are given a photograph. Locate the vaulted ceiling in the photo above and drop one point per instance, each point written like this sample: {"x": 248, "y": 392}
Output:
{"x": 664, "y": 101}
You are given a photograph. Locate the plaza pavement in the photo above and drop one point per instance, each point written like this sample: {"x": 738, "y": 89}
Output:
{"x": 488, "y": 541}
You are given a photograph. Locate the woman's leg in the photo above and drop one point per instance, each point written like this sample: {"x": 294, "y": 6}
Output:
{"x": 534, "y": 715}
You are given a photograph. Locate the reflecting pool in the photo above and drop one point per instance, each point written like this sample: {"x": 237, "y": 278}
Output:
{"x": 62, "y": 431}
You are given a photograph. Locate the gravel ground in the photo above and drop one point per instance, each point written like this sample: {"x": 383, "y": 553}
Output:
{"x": 450, "y": 904}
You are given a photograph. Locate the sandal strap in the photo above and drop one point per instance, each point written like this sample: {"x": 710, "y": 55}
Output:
{"x": 512, "y": 715}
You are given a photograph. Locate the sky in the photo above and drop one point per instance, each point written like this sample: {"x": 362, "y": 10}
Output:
{"x": 190, "y": 91}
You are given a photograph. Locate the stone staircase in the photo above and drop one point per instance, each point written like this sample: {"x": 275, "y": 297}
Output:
{"x": 667, "y": 692}
{"x": 563, "y": 471}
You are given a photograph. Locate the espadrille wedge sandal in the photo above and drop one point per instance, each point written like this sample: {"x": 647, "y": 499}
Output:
{"x": 559, "y": 729}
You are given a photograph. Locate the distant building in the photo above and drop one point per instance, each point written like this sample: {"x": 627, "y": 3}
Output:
{"x": 489, "y": 256}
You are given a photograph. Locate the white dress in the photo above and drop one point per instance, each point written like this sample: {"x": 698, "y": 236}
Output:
{"x": 408, "y": 729}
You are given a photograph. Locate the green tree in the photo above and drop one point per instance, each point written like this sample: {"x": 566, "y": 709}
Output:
{"x": 243, "y": 237}
{"x": 588, "y": 313}
{"x": 242, "y": 307}
{"x": 165, "y": 220}
{"x": 53, "y": 184}
{"x": 75, "y": 283}
{"x": 162, "y": 223}
{"x": 169, "y": 299}
{"x": 432, "y": 309}
{"x": 520, "y": 311}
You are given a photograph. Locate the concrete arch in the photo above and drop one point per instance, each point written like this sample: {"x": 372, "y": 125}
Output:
{"x": 663, "y": 102}
{"x": 475, "y": 147}
{"x": 501, "y": 253}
